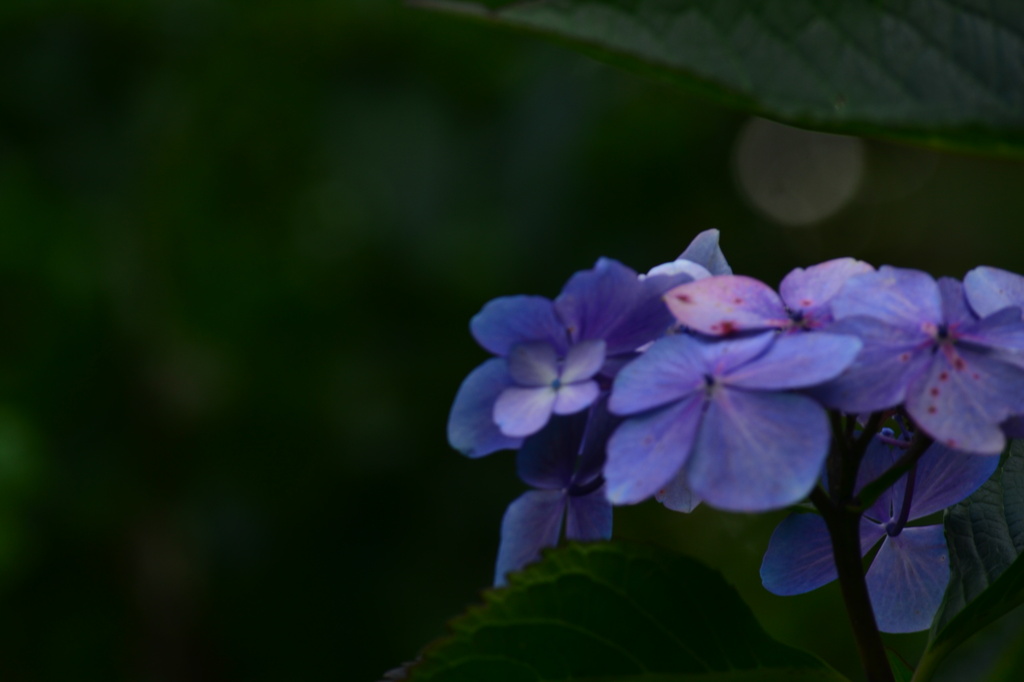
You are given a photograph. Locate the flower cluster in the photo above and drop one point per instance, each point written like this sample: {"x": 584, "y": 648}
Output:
{"x": 691, "y": 384}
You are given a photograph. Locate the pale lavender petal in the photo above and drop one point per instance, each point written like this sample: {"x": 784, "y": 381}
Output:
{"x": 533, "y": 364}
{"x": 531, "y": 523}
{"x": 680, "y": 267}
{"x": 990, "y": 289}
{"x": 722, "y": 356}
{"x": 907, "y": 579}
{"x": 945, "y": 476}
{"x": 897, "y": 296}
{"x": 677, "y": 495}
{"x": 704, "y": 249}
{"x": 521, "y": 412}
{"x": 471, "y": 427}
{"x": 954, "y": 304}
{"x": 510, "y": 320}
{"x": 610, "y": 302}
{"x": 879, "y": 376}
{"x": 758, "y": 451}
{"x": 589, "y": 517}
{"x": 572, "y": 398}
{"x": 645, "y": 452}
{"x": 963, "y": 397}
{"x": 583, "y": 361}
{"x": 797, "y": 361}
{"x": 799, "y": 556}
{"x": 548, "y": 457}
{"x": 727, "y": 304}
{"x": 811, "y": 290}
{"x": 671, "y": 369}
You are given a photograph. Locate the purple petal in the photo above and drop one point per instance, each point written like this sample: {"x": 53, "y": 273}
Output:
{"x": 533, "y": 364}
{"x": 531, "y": 523}
{"x": 572, "y": 398}
{"x": 600, "y": 425}
{"x": 671, "y": 369}
{"x": 521, "y": 412}
{"x": 962, "y": 398}
{"x": 548, "y": 457}
{"x": 797, "y": 361}
{"x": 645, "y": 452}
{"x": 758, "y": 451}
{"x": 1002, "y": 331}
{"x": 811, "y": 290}
{"x": 900, "y": 297}
{"x": 611, "y": 303}
{"x": 704, "y": 250}
{"x": 908, "y": 578}
{"x": 727, "y": 304}
{"x": 799, "y": 556}
{"x": 879, "y": 376}
{"x": 990, "y": 289}
{"x": 944, "y": 477}
{"x": 583, "y": 361}
{"x": 1013, "y": 427}
{"x": 589, "y": 517}
{"x": 721, "y": 356}
{"x": 677, "y": 495}
{"x": 471, "y": 427}
{"x": 879, "y": 458}
{"x": 692, "y": 270}
{"x": 954, "y": 303}
{"x": 510, "y": 320}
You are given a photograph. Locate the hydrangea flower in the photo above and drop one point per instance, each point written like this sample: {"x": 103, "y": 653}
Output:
{"x": 734, "y": 303}
{"x": 563, "y": 461}
{"x": 554, "y": 357}
{"x": 925, "y": 348}
{"x": 908, "y": 576}
{"x": 721, "y": 416}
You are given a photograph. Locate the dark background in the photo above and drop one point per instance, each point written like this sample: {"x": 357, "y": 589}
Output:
{"x": 239, "y": 248}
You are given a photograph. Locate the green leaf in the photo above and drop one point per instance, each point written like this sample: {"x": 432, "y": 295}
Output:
{"x": 901, "y": 672}
{"x": 944, "y": 72}
{"x": 614, "y": 613}
{"x": 985, "y": 533}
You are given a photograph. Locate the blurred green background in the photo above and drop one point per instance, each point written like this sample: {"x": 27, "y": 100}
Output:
{"x": 240, "y": 244}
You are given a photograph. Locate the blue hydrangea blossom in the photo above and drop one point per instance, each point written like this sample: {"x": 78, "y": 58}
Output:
{"x": 723, "y": 416}
{"x": 925, "y": 349}
{"x": 908, "y": 576}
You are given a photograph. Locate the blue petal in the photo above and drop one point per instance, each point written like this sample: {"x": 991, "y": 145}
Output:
{"x": 722, "y": 356}
{"x": 600, "y": 426}
{"x": 704, "y": 250}
{"x": 799, "y": 556}
{"x": 531, "y": 523}
{"x": 727, "y": 304}
{"x": 797, "y": 361}
{"x": 896, "y": 296}
{"x": 954, "y": 303}
{"x": 810, "y": 291}
{"x": 671, "y": 369}
{"x": 548, "y": 457}
{"x": 571, "y": 398}
{"x": 758, "y": 451}
{"x": 879, "y": 458}
{"x": 963, "y": 397}
{"x": 521, "y": 412}
{"x": 908, "y": 578}
{"x": 677, "y": 494}
{"x": 878, "y": 378}
{"x": 990, "y": 289}
{"x": 471, "y": 427}
{"x": 611, "y": 303}
{"x": 583, "y": 361}
{"x": 944, "y": 477}
{"x": 533, "y": 364}
{"x": 645, "y": 452}
{"x": 510, "y": 320}
{"x": 589, "y": 517}
{"x": 1002, "y": 332}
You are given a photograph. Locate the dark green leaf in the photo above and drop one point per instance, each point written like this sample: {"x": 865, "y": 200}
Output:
{"x": 985, "y": 533}
{"x": 614, "y": 613}
{"x": 944, "y": 72}
{"x": 901, "y": 672}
